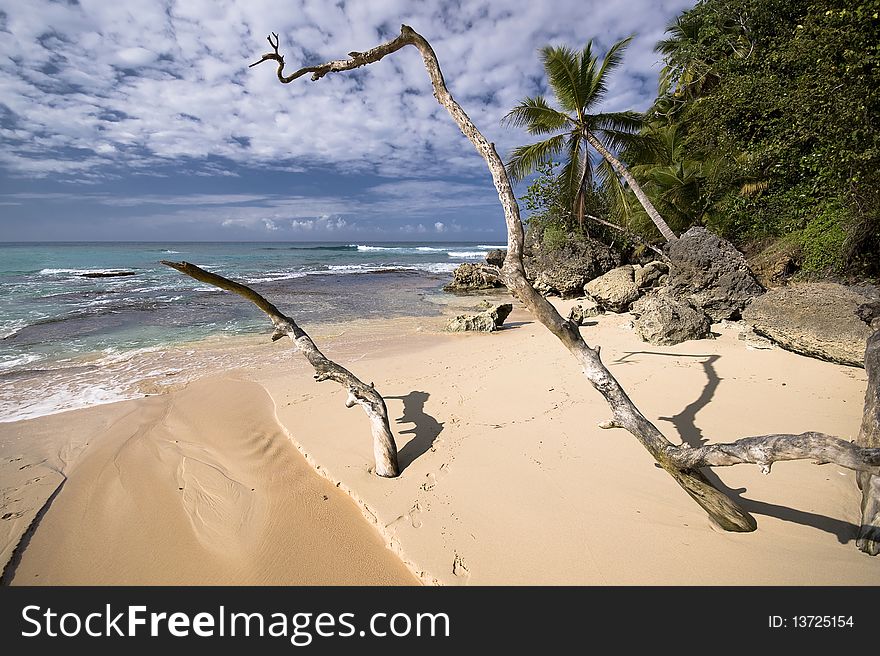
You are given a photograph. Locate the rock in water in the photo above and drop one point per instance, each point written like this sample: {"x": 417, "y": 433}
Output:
{"x": 469, "y": 277}
{"x": 665, "y": 320}
{"x": 495, "y": 257}
{"x": 487, "y": 321}
{"x": 814, "y": 319}
{"x": 711, "y": 273}
{"x": 564, "y": 271}
{"x": 106, "y": 274}
{"x": 616, "y": 290}
{"x": 584, "y": 310}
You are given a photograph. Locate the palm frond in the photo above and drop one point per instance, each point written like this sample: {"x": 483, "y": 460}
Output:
{"x": 627, "y": 121}
{"x": 561, "y": 65}
{"x": 575, "y": 160}
{"x": 524, "y": 160}
{"x": 621, "y": 140}
{"x": 536, "y": 116}
{"x": 598, "y": 86}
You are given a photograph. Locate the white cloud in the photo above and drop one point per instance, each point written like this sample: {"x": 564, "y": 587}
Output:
{"x": 96, "y": 88}
{"x": 439, "y": 227}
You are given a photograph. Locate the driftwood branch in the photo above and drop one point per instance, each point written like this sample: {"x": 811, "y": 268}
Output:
{"x": 764, "y": 450}
{"x": 366, "y": 396}
{"x": 869, "y": 437}
{"x": 681, "y": 463}
{"x": 629, "y": 233}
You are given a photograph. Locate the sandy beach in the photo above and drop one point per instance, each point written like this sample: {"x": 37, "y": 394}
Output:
{"x": 260, "y": 475}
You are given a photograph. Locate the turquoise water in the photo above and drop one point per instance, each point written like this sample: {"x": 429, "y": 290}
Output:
{"x": 59, "y": 325}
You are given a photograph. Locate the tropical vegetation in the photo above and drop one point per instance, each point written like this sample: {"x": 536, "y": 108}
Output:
{"x": 764, "y": 130}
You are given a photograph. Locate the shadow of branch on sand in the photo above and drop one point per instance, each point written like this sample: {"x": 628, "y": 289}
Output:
{"x": 425, "y": 430}
{"x": 691, "y": 434}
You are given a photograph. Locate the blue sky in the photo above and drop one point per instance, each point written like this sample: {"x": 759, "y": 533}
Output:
{"x": 140, "y": 119}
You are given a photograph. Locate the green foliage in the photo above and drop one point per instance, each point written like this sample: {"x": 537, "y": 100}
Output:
{"x": 786, "y": 95}
{"x": 548, "y": 201}
{"x": 554, "y": 237}
{"x": 822, "y": 241}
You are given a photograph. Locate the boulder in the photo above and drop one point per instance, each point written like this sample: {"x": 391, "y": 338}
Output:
{"x": 664, "y": 319}
{"x": 650, "y": 275}
{"x": 711, "y": 273}
{"x": 584, "y": 310}
{"x": 615, "y": 290}
{"x": 470, "y": 277}
{"x": 564, "y": 271}
{"x": 487, "y": 321}
{"x": 496, "y": 256}
{"x": 815, "y": 319}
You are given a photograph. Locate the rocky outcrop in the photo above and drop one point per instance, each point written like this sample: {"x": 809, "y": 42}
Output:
{"x": 815, "y": 319}
{"x": 565, "y": 270}
{"x": 470, "y": 277}
{"x": 487, "y": 321}
{"x": 615, "y": 290}
{"x": 711, "y": 274}
{"x": 584, "y": 310}
{"x": 495, "y": 257}
{"x": 664, "y": 319}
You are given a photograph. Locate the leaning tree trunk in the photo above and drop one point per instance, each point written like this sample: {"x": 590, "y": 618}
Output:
{"x": 366, "y": 396}
{"x": 869, "y": 436}
{"x": 681, "y": 462}
{"x": 664, "y": 229}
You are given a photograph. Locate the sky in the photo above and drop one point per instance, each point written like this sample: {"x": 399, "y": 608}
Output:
{"x": 140, "y": 119}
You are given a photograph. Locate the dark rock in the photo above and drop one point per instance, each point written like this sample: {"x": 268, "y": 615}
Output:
{"x": 564, "y": 271}
{"x": 487, "y": 321}
{"x": 584, "y": 310}
{"x": 711, "y": 273}
{"x": 106, "y": 274}
{"x": 650, "y": 275}
{"x": 496, "y": 256}
{"x": 616, "y": 290}
{"x": 469, "y": 277}
{"x": 870, "y": 314}
{"x": 815, "y": 319}
{"x": 664, "y": 319}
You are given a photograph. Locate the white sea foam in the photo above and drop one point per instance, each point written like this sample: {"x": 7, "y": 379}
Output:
{"x": 10, "y": 327}
{"x": 61, "y": 400}
{"x": 368, "y": 249}
{"x": 278, "y": 276}
{"x": 78, "y": 272}
{"x": 467, "y": 254}
{"x": 11, "y": 361}
{"x": 491, "y": 247}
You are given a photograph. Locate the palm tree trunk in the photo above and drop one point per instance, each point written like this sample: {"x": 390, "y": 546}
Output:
{"x": 664, "y": 229}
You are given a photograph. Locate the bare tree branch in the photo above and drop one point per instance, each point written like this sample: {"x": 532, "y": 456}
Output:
{"x": 680, "y": 462}
{"x": 630, "y": 234}
{"x": 366, "y": 396}
{"x": 764, "y": 450}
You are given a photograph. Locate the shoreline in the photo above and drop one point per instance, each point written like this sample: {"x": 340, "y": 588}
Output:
{"x": 492, "y": 455}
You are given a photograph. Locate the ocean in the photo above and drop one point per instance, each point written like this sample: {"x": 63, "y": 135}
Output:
{"x": 71, "y": 335}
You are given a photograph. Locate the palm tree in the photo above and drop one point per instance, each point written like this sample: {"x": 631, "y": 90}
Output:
{"x": 579, "y": 84}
